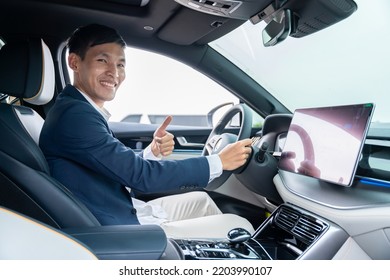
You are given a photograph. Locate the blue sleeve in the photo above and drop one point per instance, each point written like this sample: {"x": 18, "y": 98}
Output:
{"x": 83, "y": 136}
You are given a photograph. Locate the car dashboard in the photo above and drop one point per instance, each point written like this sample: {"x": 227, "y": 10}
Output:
{"x": 317, "y": 220}
{"x": 314, "y": 219}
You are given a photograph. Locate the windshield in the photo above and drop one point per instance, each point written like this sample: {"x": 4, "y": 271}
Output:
{"x": 346, "y": 63}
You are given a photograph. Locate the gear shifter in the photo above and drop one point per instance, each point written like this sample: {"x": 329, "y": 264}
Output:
{"x": 238, "y": 235}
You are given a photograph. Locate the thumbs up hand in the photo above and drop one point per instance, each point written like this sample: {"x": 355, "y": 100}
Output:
{"x": 163, "y": 143}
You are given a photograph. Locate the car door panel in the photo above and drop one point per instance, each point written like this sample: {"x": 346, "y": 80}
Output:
{"x": 138, "y": 136}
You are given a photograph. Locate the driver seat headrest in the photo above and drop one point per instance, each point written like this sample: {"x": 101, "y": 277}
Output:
{"x": 27, "y": 71}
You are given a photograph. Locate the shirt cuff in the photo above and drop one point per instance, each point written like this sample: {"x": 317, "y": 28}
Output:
{"x": 148, "y": 154}
{"x": 215, "y": 165}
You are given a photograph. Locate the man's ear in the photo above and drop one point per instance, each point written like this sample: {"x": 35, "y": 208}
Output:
{"x": 73, "y": 61}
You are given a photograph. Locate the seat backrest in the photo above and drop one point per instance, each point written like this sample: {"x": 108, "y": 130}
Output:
{"x": 27, "y": 72}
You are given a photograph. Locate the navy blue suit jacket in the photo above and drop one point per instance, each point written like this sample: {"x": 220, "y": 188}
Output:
{"x": 85, "y": 156}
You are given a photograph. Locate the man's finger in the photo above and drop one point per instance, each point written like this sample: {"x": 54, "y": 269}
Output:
{"x": 158, "y": 139}
{"x": 165, "y": 124}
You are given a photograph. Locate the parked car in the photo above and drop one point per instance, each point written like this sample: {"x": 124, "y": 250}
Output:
{"x": 321, "y": 59}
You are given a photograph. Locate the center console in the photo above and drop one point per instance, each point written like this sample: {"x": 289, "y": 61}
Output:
{"x": 289, "y": 233}
{"x": 201, "y": 249}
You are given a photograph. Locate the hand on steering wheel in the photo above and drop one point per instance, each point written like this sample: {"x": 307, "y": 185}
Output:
{"x": 235, "y": 155}
{"x": 218, "y": 140}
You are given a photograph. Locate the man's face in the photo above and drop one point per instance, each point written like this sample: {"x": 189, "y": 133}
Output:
{"x": 100, "y": 73}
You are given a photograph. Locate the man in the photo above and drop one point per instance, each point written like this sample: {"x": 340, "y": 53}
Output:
{"x": 85, "y": 156}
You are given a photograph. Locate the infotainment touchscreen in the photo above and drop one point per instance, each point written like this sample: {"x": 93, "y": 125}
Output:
{"x": 326, "y": 142}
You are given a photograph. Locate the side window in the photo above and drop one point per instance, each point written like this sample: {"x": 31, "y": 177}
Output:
{"x": 157, "y": 86}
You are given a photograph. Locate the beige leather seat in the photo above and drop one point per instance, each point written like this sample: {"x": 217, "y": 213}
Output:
{"x": 22, "y": 238}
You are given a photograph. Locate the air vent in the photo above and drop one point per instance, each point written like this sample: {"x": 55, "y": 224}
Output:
{"x": 287, "y": 218}
{"x": 304, "y": 227}
{"x": 308, "y": 228}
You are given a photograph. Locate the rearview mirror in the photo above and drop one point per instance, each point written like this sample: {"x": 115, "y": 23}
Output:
{"x": 278, "y": 28}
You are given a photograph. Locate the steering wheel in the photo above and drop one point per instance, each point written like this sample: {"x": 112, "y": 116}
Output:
{"x": 218, "y": 140}
{"x": 263, "y": 165}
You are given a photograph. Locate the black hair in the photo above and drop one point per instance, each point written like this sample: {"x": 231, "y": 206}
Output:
{"x": 91, "y": 35}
